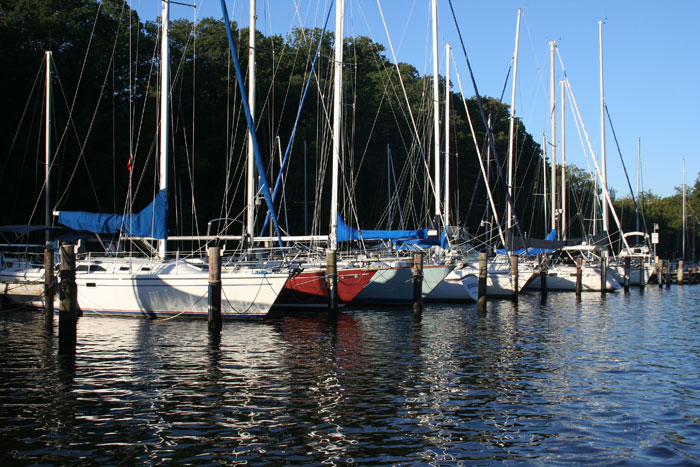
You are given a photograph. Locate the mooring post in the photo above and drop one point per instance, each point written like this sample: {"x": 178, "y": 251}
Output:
{"x": 68, "y": 316}
{"x": 418, "y": 282}
{"x": 668, "y": 274}
{"x": 483, "y": 274}
{"x": 214, "y": 314}
{"x": 514, "y": 273}
{"x": 679, "y": 273}
{"x": 642, "y": 274}
{"x": 626, "y": 279}
{"x": 659, "y": 272}
{"x": 332, "y": 281}
{"x": 603, "y": 272}
{"x": 579, "y": 276}
{"x": 543, "y": 277}
{"x": 48, "y": 285}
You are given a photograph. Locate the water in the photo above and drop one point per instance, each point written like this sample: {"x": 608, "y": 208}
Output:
{"x": 612, "y": 380}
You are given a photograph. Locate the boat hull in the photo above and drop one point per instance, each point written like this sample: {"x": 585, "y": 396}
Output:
{"x": 393, "y": 285}
{"x": 460, "y": 285}
{"x": 109, "y": 287}
{"x": 308, "y": 288}
{"x": 563, "y": 277}
{"x": 243, "y": 295}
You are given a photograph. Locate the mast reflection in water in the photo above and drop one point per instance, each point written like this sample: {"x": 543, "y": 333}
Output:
{"x": 603, "y": 380}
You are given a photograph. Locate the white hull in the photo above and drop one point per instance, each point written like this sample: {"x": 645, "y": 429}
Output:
{"x": 152, "y": 288}
{"x": 22, "y": 283}
{"x": 499, "y": 279}
{"x": 458, "y": 286}
{"x": 393, "y": 285}
{"x": 563, "y": 277}
{"x": 636, "y": 274}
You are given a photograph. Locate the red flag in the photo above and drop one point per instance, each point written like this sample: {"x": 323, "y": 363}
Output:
{"x": 129, "y": 165}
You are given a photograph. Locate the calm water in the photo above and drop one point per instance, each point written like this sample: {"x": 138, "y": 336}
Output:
{"x": 612, "y": 380}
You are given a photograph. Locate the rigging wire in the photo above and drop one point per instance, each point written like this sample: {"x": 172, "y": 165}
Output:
{"x": 624, "y": 168}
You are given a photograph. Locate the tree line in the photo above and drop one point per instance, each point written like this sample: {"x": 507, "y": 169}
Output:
{"x": 105, "y": 113}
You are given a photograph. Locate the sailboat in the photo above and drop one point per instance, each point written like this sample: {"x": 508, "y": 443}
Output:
{"x": 500, "y": 280}
{"x": 162, "y": 286}
{"x": 308, "y": 285}
{"x": 384, "y": 278}
{"x": 21, "y": 262}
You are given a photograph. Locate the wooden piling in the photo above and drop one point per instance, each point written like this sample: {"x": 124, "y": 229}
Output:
{"x": 418, "y": 282}
{"x": 679, "y": 273}
{"x": 543, "y": 277}
{"x": 626, "y": 284}
{"x": 483, "y": 274}
{"x": 67, "y": 317}
{"x": 603, "y": 272}
{"x": 214, "y": 315}
{"x": 659, "y": 272}
{"x": 579, "y": 276}
{"x": 514, "y": 273}
{"x": 642, "y": 274}
{"x": 332, "y": 281}
{"x": 48, "y": 285}
{"x": 668, "y": 273}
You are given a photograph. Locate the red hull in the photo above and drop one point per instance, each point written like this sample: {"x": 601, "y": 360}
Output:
{"x": 308, "y": 287}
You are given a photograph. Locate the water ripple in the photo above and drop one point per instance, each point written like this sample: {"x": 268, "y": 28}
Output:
{"x": 604, "y": 380}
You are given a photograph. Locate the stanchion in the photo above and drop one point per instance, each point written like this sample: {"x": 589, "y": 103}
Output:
{"x": 332, "y": 281}
{"x": 67, "y": 317}
{"x": 514, "y": 273}
{"x": 214, "y": 314}
{"x": 48, "y": 285}
{"x": 543, "y": 277}
{"x": 603, "y": 272}
{"x": 579, "y": 276}
{"x": 483, "y": 274}
{"x": 417, "y": 282}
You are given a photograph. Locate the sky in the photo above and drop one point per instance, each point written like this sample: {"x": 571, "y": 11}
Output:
{"x": 651, "y": 61}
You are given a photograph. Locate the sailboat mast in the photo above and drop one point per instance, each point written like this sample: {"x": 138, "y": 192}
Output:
{"x": 603, "y": 163}
{"x": 684, "y": 214}
{"x": 509, "y": 209}
{"x": 436, "y": 110}
{"x": 639, "y": 168}
{"x": 164, "y": 106}
{"x": 388, "y": 184}
{"x": 544, "y": 179}
{"x": 553, "y": 118}
{"x": 250, "y": 183}
{"x": 47, "y": 193}
{"x": 563, "y": 160}
{"x": 448, "y": 50}
{"x": 337, "y": 109}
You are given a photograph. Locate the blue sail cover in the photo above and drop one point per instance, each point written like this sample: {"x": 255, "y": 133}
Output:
{"x": 422, "y": 243}
{"x": 347, "y": 233}
{"x": 551, "y": 237}
{"x": 150, "y": 222}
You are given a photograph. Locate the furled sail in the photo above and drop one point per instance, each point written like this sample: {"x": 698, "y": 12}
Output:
{"x": 151, "y": 222}
{"x": 347, "y": 233}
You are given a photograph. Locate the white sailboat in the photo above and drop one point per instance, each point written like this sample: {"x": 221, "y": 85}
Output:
{"x": 392, "y": 281}
{"x": 500, "y": 281}
{"x": 161, "y": 286}
{"x": 21, "y": 263}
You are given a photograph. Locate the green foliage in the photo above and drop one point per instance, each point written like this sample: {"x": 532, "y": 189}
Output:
{"x": 105, "y": 101}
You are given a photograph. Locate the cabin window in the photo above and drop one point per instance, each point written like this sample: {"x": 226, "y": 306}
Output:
{"x": 89, "y": 268}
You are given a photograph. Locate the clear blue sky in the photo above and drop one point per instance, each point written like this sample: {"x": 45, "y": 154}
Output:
{"x": 651, "y": 55}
